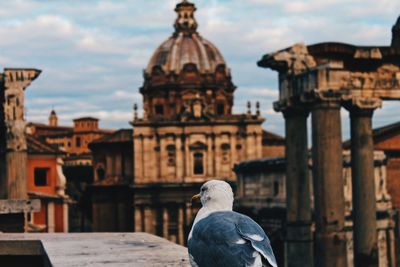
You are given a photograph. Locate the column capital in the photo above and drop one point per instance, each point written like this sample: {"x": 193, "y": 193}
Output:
{"x": 362, "y": 106}
{"x": 323, "y": 98}
{"x": 295, "y": 111}
{"x": 291, "y": 107}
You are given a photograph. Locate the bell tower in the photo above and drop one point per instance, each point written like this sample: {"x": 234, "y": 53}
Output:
{"x": 53, "y": 119}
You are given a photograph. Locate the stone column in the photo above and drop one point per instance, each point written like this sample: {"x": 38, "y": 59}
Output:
{"x": 363, "y": 183}
{"x": 138, "y": 219}
{"x": 179, "y": 158}
{"x": 149, "y": 224}
{"x": 13, "y": 146}
{"x": 210, "y": 157}
{"x": 187, "y": 158}
{"x": 330, "y": 243}
{"x": 298, "y": 246}
{"x": 165, "y": 223}
{"x": 65, "y": 218}
{"x": 51, "y": 224}
{"x": 180, "y": 226}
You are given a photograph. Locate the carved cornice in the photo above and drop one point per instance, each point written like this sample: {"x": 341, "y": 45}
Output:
{"x": 292, "y": 60}
{"x": 19, "y": 78}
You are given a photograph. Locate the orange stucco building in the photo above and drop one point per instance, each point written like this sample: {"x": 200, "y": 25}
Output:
{"x": 46, "y": 182}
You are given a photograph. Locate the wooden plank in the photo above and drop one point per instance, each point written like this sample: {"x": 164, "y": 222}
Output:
{"x": 19, "y": 206}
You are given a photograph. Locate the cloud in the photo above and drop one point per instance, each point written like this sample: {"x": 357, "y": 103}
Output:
{"x": 92, "y": 53}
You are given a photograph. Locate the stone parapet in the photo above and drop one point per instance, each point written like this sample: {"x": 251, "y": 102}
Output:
{"x": 95, "y": 249}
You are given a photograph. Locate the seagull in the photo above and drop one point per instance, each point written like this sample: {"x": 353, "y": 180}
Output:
{"x": 221, "y": 237}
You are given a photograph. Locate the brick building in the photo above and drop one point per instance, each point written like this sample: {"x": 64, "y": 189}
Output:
{"x": 73, "y": 140}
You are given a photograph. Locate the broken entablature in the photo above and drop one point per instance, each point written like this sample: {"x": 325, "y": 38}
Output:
{"x": 14, "y": 82}
{"x": 306, "y": 78}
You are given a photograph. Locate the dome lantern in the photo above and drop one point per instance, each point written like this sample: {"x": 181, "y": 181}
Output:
{"x": 185, "y": 22}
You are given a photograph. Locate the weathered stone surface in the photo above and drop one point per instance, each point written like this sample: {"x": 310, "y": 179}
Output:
{"x": 107, "y": 249}
{"x": 19, "y": 206}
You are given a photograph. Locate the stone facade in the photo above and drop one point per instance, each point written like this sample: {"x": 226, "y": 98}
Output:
{"x": 188, "y": 134}
{"x": 261, "y": 193}
{"x": 111, "y": 193}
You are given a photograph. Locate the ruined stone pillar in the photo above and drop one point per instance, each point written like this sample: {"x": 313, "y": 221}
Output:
{"x": 363, "y": 183}
{"x": 13, "y": 147}
{"x": 298, "y": 246}
{"x": 330, "y": 243}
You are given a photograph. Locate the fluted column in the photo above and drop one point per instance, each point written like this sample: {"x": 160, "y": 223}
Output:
{"x": 298, "y": 245}
{"x": 363, "y": 182}
{"x": 330, "y": 247}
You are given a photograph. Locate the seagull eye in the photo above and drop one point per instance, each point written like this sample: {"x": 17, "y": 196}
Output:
{"x": 203, "y": 189}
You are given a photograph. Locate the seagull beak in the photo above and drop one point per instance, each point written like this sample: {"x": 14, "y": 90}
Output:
{"x": 196, "y": 198}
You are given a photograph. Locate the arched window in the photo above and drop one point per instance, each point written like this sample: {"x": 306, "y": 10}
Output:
{"x": 198, "y": 163}
{"x": 100, "y": 173}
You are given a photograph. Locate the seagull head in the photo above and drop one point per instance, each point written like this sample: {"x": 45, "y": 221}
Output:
{"x": 215, "y": 195}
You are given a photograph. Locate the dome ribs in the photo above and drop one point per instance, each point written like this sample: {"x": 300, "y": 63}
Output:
{"x": 186, "y": 62}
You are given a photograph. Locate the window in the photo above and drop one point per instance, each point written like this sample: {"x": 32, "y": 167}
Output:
{"x": 159, "y": 109}
{"x": 41, "y": 176}
{"x": 78, "y": 142}
{"x": 198, "y": 166}
{"x": 225, "y": 153}
{"x": 276, "y": 188}
{"x": 220, "y": 109}
{"x": 171, "y": 155}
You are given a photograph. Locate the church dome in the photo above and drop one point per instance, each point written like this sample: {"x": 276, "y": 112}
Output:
{"x": 187, "y": 77}
{"x": 186, "y": 46}
{"x": 182, "y": 49}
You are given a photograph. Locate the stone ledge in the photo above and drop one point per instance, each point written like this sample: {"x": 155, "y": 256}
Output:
{"x": 19, "y": 205}
{"x": 107, "y": 249}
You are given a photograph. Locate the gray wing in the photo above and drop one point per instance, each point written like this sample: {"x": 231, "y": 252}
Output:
{"x": 251, "y": 231}
{"x": 216, "y": 242}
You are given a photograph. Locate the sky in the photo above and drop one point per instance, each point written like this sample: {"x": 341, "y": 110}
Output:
{"x": 93, "y": 52}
